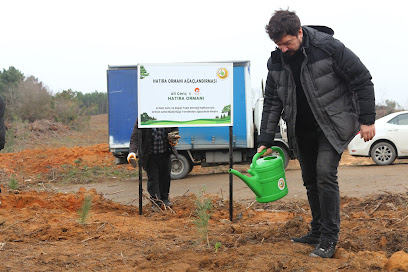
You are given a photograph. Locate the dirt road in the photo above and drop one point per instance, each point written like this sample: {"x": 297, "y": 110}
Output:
{"x": 354, "y": 181}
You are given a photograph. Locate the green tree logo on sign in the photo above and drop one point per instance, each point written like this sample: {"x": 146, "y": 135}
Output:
{"x": 144, "y": 117}
{"x": 227, "y": 109}
{"x": 143, "y": 72}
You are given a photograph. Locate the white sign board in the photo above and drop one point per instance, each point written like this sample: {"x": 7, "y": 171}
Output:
{"x": 185, "y": 95}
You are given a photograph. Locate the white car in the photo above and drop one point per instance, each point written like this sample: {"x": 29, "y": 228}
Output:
{"x": 390, "y": 140}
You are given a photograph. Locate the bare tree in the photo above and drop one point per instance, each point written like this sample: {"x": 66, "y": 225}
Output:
{"x": 32, "y": 100}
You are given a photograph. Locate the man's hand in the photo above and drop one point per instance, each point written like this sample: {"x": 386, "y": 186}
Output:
{"x": 173, "y": 137}
{"x": 262, "y": 147}
{"x": 175, "y": 140}
{"x": 367, "y": 132}
{"x": 131, "y": 155}
{"x": 131, "y": 158}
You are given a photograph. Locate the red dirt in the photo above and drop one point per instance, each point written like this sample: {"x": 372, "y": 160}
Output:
{"x": 40, "y": 230}
{"x": 36, "y": 161}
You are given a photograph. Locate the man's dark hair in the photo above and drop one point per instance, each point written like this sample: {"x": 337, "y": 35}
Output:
{"x": 282, "y": 23}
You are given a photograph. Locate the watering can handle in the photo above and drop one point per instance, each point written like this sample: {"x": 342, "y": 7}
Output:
{"x": 257, "y": 155}
{"x": 274, "y": 148}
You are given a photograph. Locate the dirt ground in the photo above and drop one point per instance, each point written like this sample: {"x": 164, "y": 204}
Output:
{"x": 40, "y": 228}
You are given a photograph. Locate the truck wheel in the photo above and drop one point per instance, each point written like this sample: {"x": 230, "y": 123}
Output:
{"x": 121, "y": 160}
{"x": 285, "y": 154}
{"x": 179, "y": 167}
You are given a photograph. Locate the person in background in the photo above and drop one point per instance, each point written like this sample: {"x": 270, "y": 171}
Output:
{"x": 325, "y": 94}
{"x": 157, "y": 146}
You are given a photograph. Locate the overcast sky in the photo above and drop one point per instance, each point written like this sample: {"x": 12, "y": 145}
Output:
{"x": 69, "y": 44}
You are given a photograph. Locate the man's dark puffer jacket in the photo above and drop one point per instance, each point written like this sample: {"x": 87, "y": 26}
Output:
{"x": 336, "y": 83}
{"x": 146, "y": 135}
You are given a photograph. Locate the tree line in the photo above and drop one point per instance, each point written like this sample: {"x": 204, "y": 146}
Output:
{"x": 387, "y": 107}
{"x": 27, "y": 99}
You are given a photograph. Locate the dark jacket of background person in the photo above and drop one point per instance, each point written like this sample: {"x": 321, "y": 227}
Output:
{"x": 336, "y": 83}
{"x": 2, "y": 127}
{"x": 146, "y": 133}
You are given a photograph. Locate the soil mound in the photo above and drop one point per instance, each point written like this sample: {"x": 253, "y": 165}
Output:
{"x": 35, "y": 161}
{"x": 41, "y": 231}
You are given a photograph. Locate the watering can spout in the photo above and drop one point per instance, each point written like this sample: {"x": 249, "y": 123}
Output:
{"x": 252, "y": 182}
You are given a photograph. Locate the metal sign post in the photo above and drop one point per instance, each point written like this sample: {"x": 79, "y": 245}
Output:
{"x": 140, "y": 174}
{"x": 231, "y": 162}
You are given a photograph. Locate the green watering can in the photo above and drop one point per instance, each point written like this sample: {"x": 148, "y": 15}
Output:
{"x": 267, "y": 180}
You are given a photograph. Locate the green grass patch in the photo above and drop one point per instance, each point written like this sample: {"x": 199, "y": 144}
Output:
{"x": 83, "y": 174}
{"x": 13, "y": 184}
{"x": 202, "y": 212}
{"x": 214, "y": 121}
{"x": 83, "y": 212}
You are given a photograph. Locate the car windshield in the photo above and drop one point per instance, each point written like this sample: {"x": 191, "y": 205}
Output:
{"x": 401, "y": 119}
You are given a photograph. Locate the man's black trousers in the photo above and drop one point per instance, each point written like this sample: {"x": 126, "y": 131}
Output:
{"x": 158, "y": 170}
{"x": 319, "y": 162}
